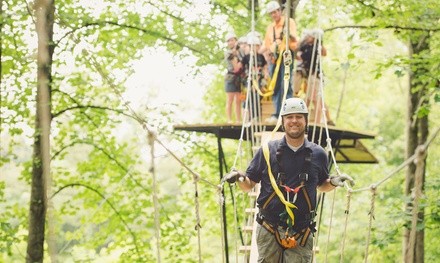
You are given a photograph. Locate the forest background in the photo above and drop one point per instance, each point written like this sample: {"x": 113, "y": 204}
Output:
{"x": 382, "y": 76}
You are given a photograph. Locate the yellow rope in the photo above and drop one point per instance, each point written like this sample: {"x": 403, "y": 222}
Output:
{"x": 273, "y": 81}
{"x": 289, "y": 206}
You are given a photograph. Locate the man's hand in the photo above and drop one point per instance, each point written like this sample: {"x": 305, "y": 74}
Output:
{"x": 339, "y": 180}
{"x": 233, "y": 176}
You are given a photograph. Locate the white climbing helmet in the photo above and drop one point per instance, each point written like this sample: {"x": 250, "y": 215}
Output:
{"x": 272, "y": 6}
{"x": 242, "y": 39}
{"x": 317, "y": 33}
{"x": 253, "y": 38}
{"x": 294, "y": 105}
{"x": 307, "y": 33}
{"x": 230, "y": 35}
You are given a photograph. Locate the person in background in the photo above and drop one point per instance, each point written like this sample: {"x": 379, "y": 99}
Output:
{"x": 299, "y": 168}
{"x": 273, "y": 47}
{"x": 242, "y": 46}
{"x": 259, "y": 74}
{"x": 232, "y": 78}
{"x": 309, "y": 71}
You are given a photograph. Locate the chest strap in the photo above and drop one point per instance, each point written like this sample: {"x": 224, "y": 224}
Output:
{"x": 290, "y": 241}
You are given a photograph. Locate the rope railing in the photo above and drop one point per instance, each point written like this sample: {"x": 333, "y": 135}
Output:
{"x": 408, "y": 161}
{"x": 417, "y": 157}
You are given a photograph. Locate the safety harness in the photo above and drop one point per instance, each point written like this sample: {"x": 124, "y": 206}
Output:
{"x": 288, "y": 240}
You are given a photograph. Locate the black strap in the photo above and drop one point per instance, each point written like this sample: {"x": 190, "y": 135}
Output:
{"x": 281, "y": 34}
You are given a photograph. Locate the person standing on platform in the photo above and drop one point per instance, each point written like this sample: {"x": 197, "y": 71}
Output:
{"x": 232, "y": 78}
{"x": 258, "y": 73}
{"x": 273, "y": 48}
{"x": 298, "y": 168}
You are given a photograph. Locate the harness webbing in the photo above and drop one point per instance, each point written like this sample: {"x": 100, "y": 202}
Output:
{"x": 289, "y": 206}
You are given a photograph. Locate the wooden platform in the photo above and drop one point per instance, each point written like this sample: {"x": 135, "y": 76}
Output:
{"x": 346, "y": 143}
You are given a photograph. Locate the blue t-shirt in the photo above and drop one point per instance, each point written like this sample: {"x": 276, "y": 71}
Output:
{"x": 293, "y": 164}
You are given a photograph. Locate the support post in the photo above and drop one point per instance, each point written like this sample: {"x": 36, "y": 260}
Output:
{"x": 220, "y": 164}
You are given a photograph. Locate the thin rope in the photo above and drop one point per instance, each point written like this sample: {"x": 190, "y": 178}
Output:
{"x": 180, "y": 161}
{"x": 347, "y": 214}
{"x": 137, "y": 117}
{"x": 318, "y": 223}
{"x": 330, "y": 225}
{"x": 370, "y": 223}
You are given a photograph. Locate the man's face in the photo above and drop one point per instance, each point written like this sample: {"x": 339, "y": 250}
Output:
{"x": 275, "y": 15}
{"x": 294, "y": 125}
{"x": 310, "y": 39}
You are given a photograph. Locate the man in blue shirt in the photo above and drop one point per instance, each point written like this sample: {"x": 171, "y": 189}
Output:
{"x": 298, "y": 168}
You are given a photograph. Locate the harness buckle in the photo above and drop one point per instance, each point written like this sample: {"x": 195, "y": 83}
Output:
{"x": 259, "y": 218}
{"x": 288, "y": 241}
{"x": 304, "y": 177}
{"x": 280, "y": 177}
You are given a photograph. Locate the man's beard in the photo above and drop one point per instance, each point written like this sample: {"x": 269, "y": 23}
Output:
{"x": 295, "y": 134}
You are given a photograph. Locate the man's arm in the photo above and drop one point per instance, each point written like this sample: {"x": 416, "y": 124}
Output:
{"x": 246, "y": 185}
{"x": 241, "y": 179}
{"x": 335, "y": 181}
{"x": 326, "y": 186}
{"x": 323, "y": 51}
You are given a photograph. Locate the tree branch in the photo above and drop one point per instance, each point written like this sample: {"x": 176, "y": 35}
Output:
{"x": 396, "y": 27}
{"x": 108, "y": 202}
{"x": 369, "y": 6}
{"x": 88, "y": 106}
{"x": 146, "y": 31}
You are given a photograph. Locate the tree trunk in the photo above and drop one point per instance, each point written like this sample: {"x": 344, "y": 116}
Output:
{"x": 417, "y": 134}
{"x": 44, "y": 11}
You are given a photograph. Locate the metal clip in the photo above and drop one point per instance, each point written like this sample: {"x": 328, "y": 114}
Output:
{"x": 287, "y": 56}
{"x": 303, "y": 177}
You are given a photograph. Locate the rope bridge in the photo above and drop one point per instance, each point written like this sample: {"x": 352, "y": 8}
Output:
{"x": 250, "y": 131}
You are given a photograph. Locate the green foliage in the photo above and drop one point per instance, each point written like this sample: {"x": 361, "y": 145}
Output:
{"x": 102, "y": 202}
{"x": 215, "y": 99}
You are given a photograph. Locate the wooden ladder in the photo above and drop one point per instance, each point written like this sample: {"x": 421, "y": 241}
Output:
{"x": 249, "y": 249}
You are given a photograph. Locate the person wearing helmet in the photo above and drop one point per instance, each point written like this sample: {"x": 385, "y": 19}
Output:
{"x": 232, "y": 78}
{"x": 299, "y": 168}
{"x": 258, "y": 73}
{"x": 273, "y": 47}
